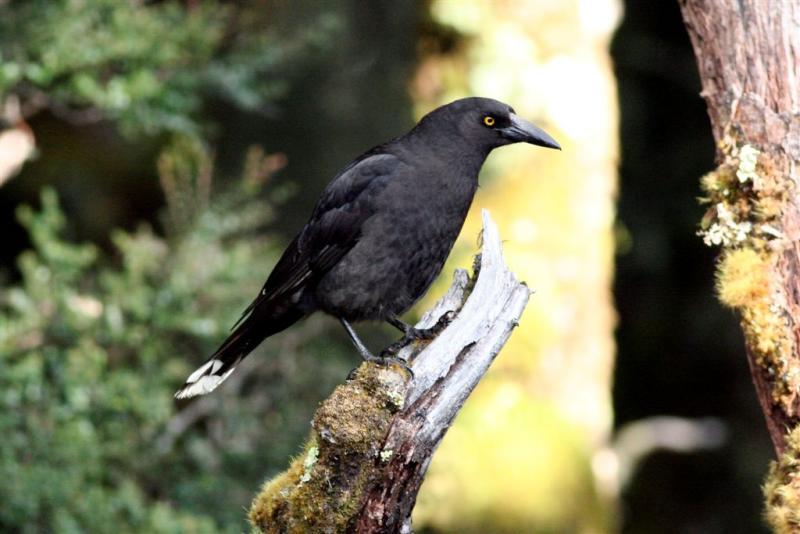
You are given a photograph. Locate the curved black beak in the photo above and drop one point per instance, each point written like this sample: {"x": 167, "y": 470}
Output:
{"x": 522, "y": 131}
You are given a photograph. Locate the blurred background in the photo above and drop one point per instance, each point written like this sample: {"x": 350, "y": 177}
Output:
{"x": 156, "y": 157}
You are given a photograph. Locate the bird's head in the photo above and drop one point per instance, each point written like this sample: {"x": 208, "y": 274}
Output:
{"x": 487, "y": 123}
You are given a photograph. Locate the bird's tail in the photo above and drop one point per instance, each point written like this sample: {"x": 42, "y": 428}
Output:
{"x": 245, "y": 337}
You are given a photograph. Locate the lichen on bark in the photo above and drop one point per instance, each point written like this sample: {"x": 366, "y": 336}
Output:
{"x": 782, "y": 488}
{"x": 747, "y": 55}
{"x": 746, "y": 195}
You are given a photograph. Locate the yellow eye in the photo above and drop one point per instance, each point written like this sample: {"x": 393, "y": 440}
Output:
{"x": 488, "y": 120}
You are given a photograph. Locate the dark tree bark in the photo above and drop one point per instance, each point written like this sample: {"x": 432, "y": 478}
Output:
{"x": 374, "y": 437}
{"x": 748, "y": 53}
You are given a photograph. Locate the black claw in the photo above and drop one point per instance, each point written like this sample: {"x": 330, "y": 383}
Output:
{"x": 352, "y": 374}
{"x": 444, "y": 321}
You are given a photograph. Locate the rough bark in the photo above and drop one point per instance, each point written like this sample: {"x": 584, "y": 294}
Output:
{"x": 748, "y": 53}
{"x": 374, "y": 437}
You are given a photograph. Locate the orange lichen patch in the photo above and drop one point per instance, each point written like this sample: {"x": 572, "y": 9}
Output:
{"x": 743, "y": 278}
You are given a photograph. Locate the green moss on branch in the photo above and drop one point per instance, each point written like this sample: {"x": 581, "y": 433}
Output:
{"x": 325, "y": 487}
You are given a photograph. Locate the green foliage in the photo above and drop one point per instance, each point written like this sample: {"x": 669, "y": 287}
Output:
{"x": 146, "y": 65}
{"x": 92, "y": 345}
{"x": 92, "y": 348}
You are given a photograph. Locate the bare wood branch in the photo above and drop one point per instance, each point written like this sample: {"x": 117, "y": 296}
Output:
{"x": 374, "y": 437}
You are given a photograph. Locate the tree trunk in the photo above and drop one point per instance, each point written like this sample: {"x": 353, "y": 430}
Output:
{"x": 748, "y": 53}
{"x": 374, "y": 437}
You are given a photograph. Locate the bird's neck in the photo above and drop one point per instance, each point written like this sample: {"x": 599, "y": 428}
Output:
{"x": 449, "y": 151}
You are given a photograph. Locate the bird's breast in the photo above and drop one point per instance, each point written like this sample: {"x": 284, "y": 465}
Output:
{"x": 401, "y": 250}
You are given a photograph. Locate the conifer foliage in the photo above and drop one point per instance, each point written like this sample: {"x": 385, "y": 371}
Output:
{"x": 93, "y": 342}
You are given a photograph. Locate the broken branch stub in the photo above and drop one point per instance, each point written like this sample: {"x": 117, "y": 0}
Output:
{"x": 374, "y": 437}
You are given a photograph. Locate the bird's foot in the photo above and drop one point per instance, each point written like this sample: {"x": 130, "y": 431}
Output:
{"x": 430, "y": 333}
{"x": 411, "y": 333}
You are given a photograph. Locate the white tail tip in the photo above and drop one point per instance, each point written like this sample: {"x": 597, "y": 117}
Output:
{"x": 203, "y": 380}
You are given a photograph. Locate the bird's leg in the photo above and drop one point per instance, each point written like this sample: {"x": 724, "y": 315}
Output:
{"x": 360, "y": 347}
{"x": 398, "y": 323}
{"x": 383, "y": 359}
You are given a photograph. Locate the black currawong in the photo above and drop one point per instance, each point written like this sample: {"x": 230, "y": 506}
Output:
{"x": 379, "y": 234}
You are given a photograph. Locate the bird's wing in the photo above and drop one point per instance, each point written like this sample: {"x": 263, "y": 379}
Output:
{"x": 334, "y": 226}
